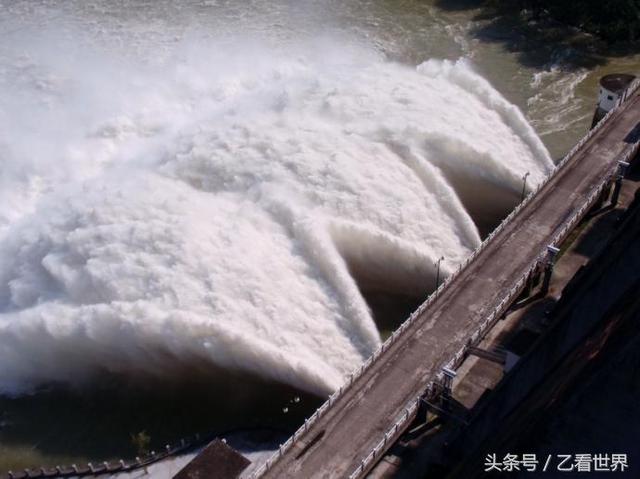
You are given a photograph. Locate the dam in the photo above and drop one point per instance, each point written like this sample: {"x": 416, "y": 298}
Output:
{"x": 362, "y": 420}
{"x": 213, "y": 197}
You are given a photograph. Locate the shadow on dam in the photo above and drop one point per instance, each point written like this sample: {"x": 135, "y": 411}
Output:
{"x": 390, "y": 310}
{"x": 391, "y": 295}
{"x": 119, "y": 418}
{"x": 495, "y": 205}
{"x": 394, "y": 289}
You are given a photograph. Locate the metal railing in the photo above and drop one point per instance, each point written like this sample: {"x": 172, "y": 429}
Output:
{"x": 388, "y": 438}
{"x": 92, "y": 469}
{"x": 491, "y": 319}
{"x": 484, "y": 326}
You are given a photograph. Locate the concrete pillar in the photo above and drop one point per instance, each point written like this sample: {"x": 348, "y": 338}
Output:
{"x": 447, "y": 383}
{"x": 552, "y": 253}
{"x": 622, "y": 171}
{"x": 606, "y": 191}
{"x": 528, "y": 286}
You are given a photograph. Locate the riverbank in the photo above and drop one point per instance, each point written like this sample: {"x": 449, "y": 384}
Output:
{"x": 123, "y": 418}
{"x": 615, "y": 22}
{"x": 534, "y": 31}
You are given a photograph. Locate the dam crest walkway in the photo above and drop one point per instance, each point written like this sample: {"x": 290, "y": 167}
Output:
{"x": 359, "y": 422}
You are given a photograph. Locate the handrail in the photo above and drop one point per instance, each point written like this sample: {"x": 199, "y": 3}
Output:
{"x": 107, "y": 467}
{"x": 486, "y": 324}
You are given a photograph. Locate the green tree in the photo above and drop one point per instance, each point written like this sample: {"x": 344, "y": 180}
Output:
{"x": 612, "y": 20}
{"x": 141, "y": 441}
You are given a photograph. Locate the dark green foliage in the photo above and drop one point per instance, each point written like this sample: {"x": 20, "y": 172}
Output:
{"x": 141, "y": 442}
{"x": 612, "y": 20}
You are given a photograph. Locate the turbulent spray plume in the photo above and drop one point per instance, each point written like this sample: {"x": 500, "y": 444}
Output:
{"x": 206, "y": 208}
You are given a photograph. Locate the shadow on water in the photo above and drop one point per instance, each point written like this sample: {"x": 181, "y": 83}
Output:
{"x": 390, "y": 310}
{"x": 460, "y": 5}
{"x": 122, "y": 418}
{"x": 535, "y": 37}
{"x": 391, "y": 293}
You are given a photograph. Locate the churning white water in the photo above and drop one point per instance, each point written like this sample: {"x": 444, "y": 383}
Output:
{"x": 210, "y": 207}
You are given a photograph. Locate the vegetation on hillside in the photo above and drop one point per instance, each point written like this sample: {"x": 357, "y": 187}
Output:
{"x": 611, "y": 20}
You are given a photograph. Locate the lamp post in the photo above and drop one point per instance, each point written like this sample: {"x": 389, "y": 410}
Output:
{"x": 438, "y": 272}
{"x": 524, "y": 185}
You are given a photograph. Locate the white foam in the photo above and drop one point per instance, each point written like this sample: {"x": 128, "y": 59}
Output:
{"x": 555, "y": 106}
{"x": 206, "y": 208}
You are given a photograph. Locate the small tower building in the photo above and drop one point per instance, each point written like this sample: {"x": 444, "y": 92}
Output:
{"x": 612, "y": 88}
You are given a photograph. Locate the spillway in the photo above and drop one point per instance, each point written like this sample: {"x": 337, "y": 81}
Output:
{"x": 214, "y": 206}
